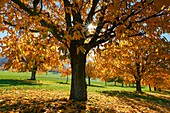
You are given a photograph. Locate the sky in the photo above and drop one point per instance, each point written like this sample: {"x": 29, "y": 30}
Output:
{"x": 165, "y": 35}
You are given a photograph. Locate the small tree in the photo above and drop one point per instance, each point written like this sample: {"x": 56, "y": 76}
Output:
{"x": 30, "y": 54}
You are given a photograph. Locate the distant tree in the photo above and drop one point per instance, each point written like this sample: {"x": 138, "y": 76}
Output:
{"x": 65, "y": 73}
{"x": 139, "y": 58}
{"x": 91, "y": 72}
{"x": 30, "y": 54}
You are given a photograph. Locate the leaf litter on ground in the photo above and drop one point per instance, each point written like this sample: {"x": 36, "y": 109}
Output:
{"x": 50, "y": 101}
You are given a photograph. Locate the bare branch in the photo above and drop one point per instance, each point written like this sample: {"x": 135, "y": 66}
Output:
{"x": 92, "y": 11}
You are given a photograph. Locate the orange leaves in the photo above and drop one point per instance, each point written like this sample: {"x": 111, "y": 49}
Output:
{"x": 161, "y": 4}
{"x": 138, "y": 56}
{"x": 29, "y": 51}
{"x": 40, "y": 100}
{"x": 65, "y": 72}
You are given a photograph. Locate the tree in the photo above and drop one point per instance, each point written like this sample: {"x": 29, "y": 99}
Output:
{"x": 90, "y": 71}
{"x": 142, "y": 58}
{"x": 67, "y": 21}
{"x": 65, "y": 73}
{"x": 30, "y": 53}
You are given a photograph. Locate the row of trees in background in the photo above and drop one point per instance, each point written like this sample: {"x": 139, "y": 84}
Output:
{"x": 136, "y": 60}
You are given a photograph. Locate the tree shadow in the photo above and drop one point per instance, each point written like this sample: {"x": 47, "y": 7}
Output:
{"x": 95, "y": 86}
{"x": 12, "y": 82}
{"x": 164, "y": 92}
{"x": 137, "y": 100}
{"x": 63, "y": 83}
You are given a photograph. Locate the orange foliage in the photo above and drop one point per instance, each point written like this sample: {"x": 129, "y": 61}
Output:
{"x": 142, "y": 58}
{"x": 28, "y": 52}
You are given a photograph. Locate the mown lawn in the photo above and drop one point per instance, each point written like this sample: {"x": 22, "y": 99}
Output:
{"x": 49, "y": 93}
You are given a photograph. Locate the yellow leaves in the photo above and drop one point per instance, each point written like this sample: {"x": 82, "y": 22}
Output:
{"x": 162, "y": 8}
{"x": 156, "y": 50}
{"x": 24, "y": 52}
{"x": 161, "y": 4}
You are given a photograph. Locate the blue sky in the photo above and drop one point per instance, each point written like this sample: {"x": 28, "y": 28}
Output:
{"x": 165, "y": 35}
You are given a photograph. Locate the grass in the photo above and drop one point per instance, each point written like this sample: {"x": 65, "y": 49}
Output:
{"x": 49, "y": 93}
{"x": 52, "y": 81}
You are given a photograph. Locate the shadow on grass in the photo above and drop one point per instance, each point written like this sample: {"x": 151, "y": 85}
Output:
{"x": 63, "y": 83}
{"x": 164, "y": 92}
{"x": 95, "y": 86}
{"x": 141, "y": 99}
{"x": 12, "y": 82}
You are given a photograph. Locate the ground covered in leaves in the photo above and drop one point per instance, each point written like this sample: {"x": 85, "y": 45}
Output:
{"x": 50, "y": 101}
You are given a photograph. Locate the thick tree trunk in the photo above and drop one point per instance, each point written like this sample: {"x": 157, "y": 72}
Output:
{"x": 150, "y": 88}
{"x": 89, "y": 80}
{"x": 138, "y": 85}
{"x": 33, "y": 74}
{"x": 78, "y": 81}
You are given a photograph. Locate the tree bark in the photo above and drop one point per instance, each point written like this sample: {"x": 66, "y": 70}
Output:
{"x": 33, "y": 73}
{"x": 129, "y": 85}
{"x": 115, "y": 83}
{"x": 67, "y": 79}
{"x": 150, "y": 88}
{"x": 105, "y": 83}
{"x": 89, "y": 80}
{"x": 155, "y": 89}
{"x": 122, "y": 84}
{"x": 138, "y": 85}
{"x": 78, "y": 81}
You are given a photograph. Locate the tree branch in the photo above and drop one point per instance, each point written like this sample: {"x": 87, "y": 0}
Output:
{"x": 92, "y": 11}
{"x": 24, "y": 7}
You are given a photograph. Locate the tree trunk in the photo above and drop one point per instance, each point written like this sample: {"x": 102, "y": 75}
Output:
{"x": 115, "y": 83}
{"x": 89, "y": 80}
{"x": 105, "y": 83}
{"x": 155, "y": 89}
{"x": 150, "y": 88}
{"x": 78, "y": 81}
{"x": 33, "y": 74}
{"x": 138, "y": 85}
{"x": 129, "y": 85}
{"x": 122, "y": 84}
{"x": 67, "y": 79}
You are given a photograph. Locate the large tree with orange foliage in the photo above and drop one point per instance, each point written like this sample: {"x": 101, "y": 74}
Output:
{"x": 67, "y": 21}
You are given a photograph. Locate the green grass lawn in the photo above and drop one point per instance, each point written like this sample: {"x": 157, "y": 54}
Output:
{"x": 52, "y": 81}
